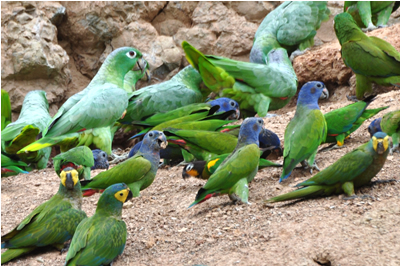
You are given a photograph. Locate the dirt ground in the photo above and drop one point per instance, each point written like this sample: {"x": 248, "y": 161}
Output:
{"x": 161, "y": 230}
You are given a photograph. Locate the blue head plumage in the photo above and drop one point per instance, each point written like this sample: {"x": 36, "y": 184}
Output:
{"x": 250, "y": 130}
{"x": 225, "y": 105}
{"x": 375, "y": 126}
{"x": 153, "y": 141}
{"x": 100, "y": 159}
{"x": 311, "y": 92}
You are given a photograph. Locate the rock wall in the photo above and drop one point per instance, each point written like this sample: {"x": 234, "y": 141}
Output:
{"x": 59, "y": 46}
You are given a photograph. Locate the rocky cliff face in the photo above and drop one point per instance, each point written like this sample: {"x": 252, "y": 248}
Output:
{"x": 59, "y": 46}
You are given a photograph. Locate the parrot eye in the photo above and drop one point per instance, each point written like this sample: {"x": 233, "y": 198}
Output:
{"x": 151, "y": 134}
{"x": 232, "y": 103}
{"x": 319, "y": 85}
{"x": 104, "y": 155}
{"x": 121, "y": 194}
{"x": 259, "y": 121}
{"x": 189, "y": 167}
{"x": 131, "y": 54}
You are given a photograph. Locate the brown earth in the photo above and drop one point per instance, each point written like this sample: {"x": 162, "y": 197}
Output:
{"x": 161, "y": 230}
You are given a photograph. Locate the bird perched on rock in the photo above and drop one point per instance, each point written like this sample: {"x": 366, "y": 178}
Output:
{"x": 98, "y": 240}
{"x": 390, "y": 124}
{"x": 371, "y": 59}
{"x": 51, "y": 223}
{"x": 87, "y": 116}
{"x": 353, "y": 170}
{"x": 238, "y": 169}
{"x": 307, "y": 129}
{"x": 137, "y": 172}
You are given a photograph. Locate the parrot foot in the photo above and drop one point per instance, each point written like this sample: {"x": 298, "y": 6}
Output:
{"x": 370, "y": 27}
{"x": 65, "y": 248}
{"x": 118, "y": 159}
{"x": 306, "y": 165}
{"x": 383, "y": 181}
{"x": 331, "y": 147}
{"x": 382, "y": 26}
{"x": 271, "y": 115}
{"x": 363, "y": 197}
{"x": 394, "y": 149}
{"x": 297, "y": 53}
{"x": 352, "y": 98}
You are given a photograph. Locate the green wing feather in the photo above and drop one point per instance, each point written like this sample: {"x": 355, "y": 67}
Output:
{"x": 81, "y": 155}
{"x": 5, "y": 109}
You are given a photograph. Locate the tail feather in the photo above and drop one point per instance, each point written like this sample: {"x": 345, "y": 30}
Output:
{"x": 27, "y": 135}
{"x": 89, "y": 192}
{"x": 266, "y": 163}
{"x": 11, "y": 254}
{"x": 297, "y": 194}
{"x": 203, "y": 195}
{"x": 51, "y": 141}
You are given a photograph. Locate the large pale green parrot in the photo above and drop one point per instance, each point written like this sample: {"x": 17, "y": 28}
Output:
{"x": 292, "y": 26}
{"x": 79, "y": 158}
{"x": 50, "y": 224}
{"x": 33, "y": 119}
{"x": 98, "y": 240}
{"x": 306, "y": 131}
{"x": 367, "y": 14}
{"x": 238, "y": 169}
{"x": 371, "y": 59}
{"x": 256, "y": 87}
{"x": 353, "y": 170}
{"x": 86, "y": 118}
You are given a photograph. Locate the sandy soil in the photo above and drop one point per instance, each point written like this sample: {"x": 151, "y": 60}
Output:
{"x": 161, "y": 230}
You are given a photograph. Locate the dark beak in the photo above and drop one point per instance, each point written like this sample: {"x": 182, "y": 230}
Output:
{"x": 184, "y": 174}
{"x": 380, "y": 149}
{"x": 130, "y": 196}
{"x": 69, "y": 183}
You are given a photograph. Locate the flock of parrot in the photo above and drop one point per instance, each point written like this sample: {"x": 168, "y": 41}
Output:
{"x": 189, "y": 120}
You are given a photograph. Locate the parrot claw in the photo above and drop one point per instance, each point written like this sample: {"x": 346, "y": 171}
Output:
{"x": 360, "y": 197}
{"x": 271, "y": 115}
{"x": 297, "y": 53}
{"x": 65, "y": 248}
{"x": 394, "y": 149}
{"x": 115, "y": 159}
{"x": 383, "y": 181}
{"x": 329, "y": 148}
{"x": 352, "y": 98}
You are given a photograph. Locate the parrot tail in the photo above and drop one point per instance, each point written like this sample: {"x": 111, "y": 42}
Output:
{"x": 203, "y": 195}
{"x": 14, "y": 253}
{"x": 89, "y": 192}
{"x": 265, "y": 163}
{"x": 297, "y": 194}
{"x": 284, "y": 177}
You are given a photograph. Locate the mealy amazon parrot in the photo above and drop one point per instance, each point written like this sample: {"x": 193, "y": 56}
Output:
{"x": 371, "y": 59}
{"x": 353, "y": 170}
{"x": 256, "y": 87}
{"x": 98, "y": 240}
{"x": 390, "y": 124}
{"x": 5, "y": 109}
{"x": 137, "y": 172}
{"x": 32, "y": 120}
{"x": 306, "y": 131}
{"x": 292, "y": 26}
{"x": 51, "y": 223}
{"x": 11, "y": 167}
{"x": 343, "y": 121}
{"x": 100, "y": 160}
{"x": 204, "y": 169}
{"x": 238, "y": 169}
{"x": 367, "y": 14}
{"x": 86, "y": 118}
{"x": 79, "y": 158}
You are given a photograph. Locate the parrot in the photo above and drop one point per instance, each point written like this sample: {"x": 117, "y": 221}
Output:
{"x": 86, "y": 117}
{"x": 353, "y": 170}
{"x": 370, "y": 58}
{"x": 171, "y": 153}
{"x": 11, "y": 167}
{"x": 343, "y": 121}
{"x": 51, "y": 223}
{"x": 306, "y": 131}
{"x": 390, "y": 124}
{"x": 32, "y": 120}
{"x": 79, "y": 158}
{"x": 137, "y": 172}
{"x": 98, "y": 240}
{"x": 292, "y": 26}
{"x": 100, "y": 160}
{"x": 256, "y": 87}
{"x": 367, "y": 12}
{"x": 5, "y": 109}
{"x": 203, "y": 169}
{"x": 238, "y": 169}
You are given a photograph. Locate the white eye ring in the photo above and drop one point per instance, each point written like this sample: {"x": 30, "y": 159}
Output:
{"x": 131, "y": 54}
{"x": 189, "y": 167}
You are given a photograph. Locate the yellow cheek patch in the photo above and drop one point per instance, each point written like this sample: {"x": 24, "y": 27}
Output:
{"x": 386, "y": 142}
{"x": 212, "y": 163}
{"x": 193, "y": 173}
{"x": 374, "y": 143}
{"x": 122, "y": 195}
{"x": 74, "y": 174}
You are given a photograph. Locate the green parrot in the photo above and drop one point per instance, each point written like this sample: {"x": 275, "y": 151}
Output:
{"x": 5, "y": 109}
{"x": 86, "y": 118}
{"x": 343, "y": 121}
{"x": 138, "y": 172}
{"x": 353, "y": 170}
{"x": 98, "y": 240}
{"x": 238, "y": 169}
{"x": 371, "y": 59}
{"x": 390, "y": 124}
{"x": 306, "y": 131}
{"x": 256, "y": 87}
{"x": 32, "y": 120}
{"x": 204, "y": 169}
{"x": 11, "y": 167}
{"x": 368, "y": 13}
{"x": 79, "y": 158}
{"x": 292, "y": 26}
{"x": 51, "y": 223}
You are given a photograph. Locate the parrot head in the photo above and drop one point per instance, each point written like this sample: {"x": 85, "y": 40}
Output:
{"x": 344, "y": 24}
{"x": 225, "y": 105}
{"x": 100, "y": 159}
{"x": 69, "y": 177}
{"x": 380, "y": 142}
{"x": 375, "y": 126}
{"x": 125, "y": 59}
{"x": 112, "y": 199}
{"x": 250, "y": 130}
{"x": 154, "y": 140}
{"x": 193, "y": 169}
{"x": 311, "y": 92}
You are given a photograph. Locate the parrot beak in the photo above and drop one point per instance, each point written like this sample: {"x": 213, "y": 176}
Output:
{"x": 162, "y": 141}
{"x": 236, "y": 115}
{"x": 69, "y": 182}
{"x": 380, "y": 148}
{"x": 130, "y": 196}
{"x": 325, "y": 94}
{"x": 144, "y": 67}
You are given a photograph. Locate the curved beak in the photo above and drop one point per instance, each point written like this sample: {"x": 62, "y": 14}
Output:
{"x": 324, "y": 94}
{"x": 69, "y": 182}
{"x": 130, "y": 196}
{"x": 162, "y": 141}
